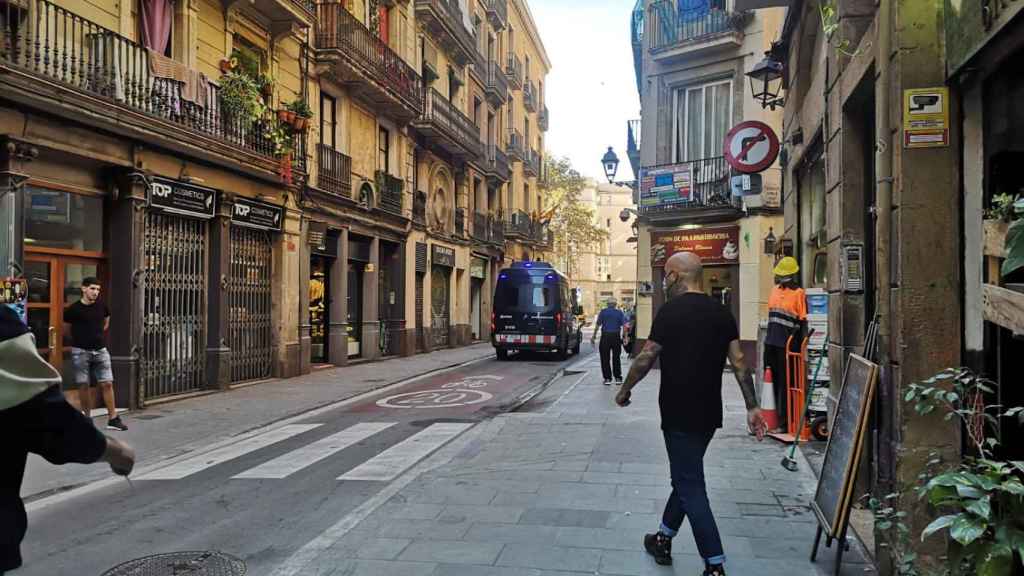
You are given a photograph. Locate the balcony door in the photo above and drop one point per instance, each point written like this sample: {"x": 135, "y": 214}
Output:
{"x": 328, "y": 121}
{"x": 701, "y": 118}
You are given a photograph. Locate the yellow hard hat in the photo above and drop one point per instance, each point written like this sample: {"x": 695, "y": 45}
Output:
{"x": 786, "y": 267}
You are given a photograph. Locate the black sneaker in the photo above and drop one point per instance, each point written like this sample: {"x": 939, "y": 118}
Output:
{"x": 607, "y": 382}
{"x": 618, "y": 381}
{"x": 116, "y": 424}
{"x": 659, "y": 546}
{"x": 715, "y": 570}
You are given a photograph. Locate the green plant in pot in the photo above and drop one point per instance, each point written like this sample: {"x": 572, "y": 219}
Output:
{"x": 266, "y": 84}
{"x": 281, "y": 137}
{"x": 240, "y": 99}
{"x": 1009, "y": 208}
{"x": 979, "y": 500}
{"x": 302, "y": 113}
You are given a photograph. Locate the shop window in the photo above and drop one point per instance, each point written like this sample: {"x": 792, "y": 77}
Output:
{"x": 63, "y": 220}
{"x": 701, "y": 118}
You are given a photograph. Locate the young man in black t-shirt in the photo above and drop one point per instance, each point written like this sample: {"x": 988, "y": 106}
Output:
{"x": 89, "y": 319}
{"x": 693, "y": 335}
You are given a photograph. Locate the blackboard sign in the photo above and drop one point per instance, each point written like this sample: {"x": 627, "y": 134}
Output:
{"x": 255, "y": 214}
{"x": 845, "y": 443}
{"x": 182, "y": 198}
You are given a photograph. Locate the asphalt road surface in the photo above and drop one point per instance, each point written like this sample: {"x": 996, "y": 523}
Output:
{"x": 263, "y": 495}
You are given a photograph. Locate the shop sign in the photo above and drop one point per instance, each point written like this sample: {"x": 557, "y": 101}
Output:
{"x": 478, "y": 268}
{"x": 14, "y": 295}
{"x": 316, "y": 235}
{"x": 719, "y": 245}
{"x": 666, "y": 185}
{"x": 926, "y": 118}
{"x": 256, "y": 214}
{"x": 442, "y": 256}
{"x": 182, "y": 198}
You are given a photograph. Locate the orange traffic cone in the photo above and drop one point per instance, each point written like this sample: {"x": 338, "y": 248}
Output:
{"x": 771, "y": 417}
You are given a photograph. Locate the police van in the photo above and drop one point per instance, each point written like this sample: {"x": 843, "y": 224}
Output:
{"x": 535, "y": 309}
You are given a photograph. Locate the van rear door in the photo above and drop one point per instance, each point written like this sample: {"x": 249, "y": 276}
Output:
{"x": 525, "y": 302}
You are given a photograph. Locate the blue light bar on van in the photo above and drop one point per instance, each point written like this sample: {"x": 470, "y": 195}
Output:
{"x": 528, "y": 264}
{"x": 503, "y": 276}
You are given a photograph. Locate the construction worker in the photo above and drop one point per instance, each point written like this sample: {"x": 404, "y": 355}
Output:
{"x": 787, "y": 316}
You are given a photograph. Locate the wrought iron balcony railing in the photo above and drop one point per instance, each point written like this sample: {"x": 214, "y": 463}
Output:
{"x": 497, "y": 12}
{"x": 530, "y": 96}
{"x": 514, "y": 72}
{"x": 41, "y": 40}
{"x": 669, "y": 27}
{"x": 497, "y": 84}
{"x": 516, "y": 146}
{"x": 481, "y": 228}
{"x": 365, "y": 59}
{"x": 633, "y": 135}
{"x": 709, "y": 189}
{"x": 531, "y": 164}
{"x": 449, "y": 127}
{"x": 498, "y": 168}
{"x": 389, "y": 192}
{"x": 497, "y": 235}
{"x": 443, "y": 18}
{"x": 543, "y": 118}
{"x": 460, "y": 222}
{"x": 334, "y": 172}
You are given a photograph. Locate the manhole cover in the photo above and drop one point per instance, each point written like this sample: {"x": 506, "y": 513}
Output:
{"x": 207, "y": 563}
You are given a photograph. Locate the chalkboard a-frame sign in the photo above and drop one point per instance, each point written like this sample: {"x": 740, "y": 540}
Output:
{"x": 832, "y": 499}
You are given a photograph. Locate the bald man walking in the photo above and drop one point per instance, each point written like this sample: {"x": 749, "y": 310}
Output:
{"x": 693, "y": 334}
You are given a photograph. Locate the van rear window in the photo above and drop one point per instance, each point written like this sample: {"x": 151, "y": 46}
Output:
{"x": 524, "y": 293}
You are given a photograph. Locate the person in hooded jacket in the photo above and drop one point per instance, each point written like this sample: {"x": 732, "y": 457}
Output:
{"x": 35, "y": 417}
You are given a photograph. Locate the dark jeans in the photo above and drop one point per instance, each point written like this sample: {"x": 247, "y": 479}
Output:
{"x": 775, "y": 358}
{"x": 689, "y": 494}
{"x": 50, "y": 427}
{"x": 610, "y": 349}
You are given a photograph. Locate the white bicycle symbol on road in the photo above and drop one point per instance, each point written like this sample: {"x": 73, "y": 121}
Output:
{"x": 464, "y": 392}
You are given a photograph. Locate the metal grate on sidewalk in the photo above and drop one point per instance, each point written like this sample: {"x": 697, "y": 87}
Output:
{"x": 205, "y": 563}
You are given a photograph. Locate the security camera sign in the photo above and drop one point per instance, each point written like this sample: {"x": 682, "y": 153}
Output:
{"x": 926, "y": 118}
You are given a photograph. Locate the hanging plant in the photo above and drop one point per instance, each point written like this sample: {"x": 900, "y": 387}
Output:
{"x": 240, "y": 98}
{"x": 373, "y": 18}
{"x": 279, "y": 135}
{"x": 301, "y": 113}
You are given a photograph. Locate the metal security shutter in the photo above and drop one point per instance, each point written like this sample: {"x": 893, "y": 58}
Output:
{"x": 421, "y": 258}
{"x": 249, "y": 304}
{"x": 173, "y": 356}
{"x": 440, "y": 283}
{"x": 419, "y": 312}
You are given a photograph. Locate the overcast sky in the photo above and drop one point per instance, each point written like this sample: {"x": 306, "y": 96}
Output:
{"x": 591, "y": 90}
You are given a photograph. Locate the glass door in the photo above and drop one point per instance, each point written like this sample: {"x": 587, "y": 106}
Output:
{"x": 319, "y": 312}
{"x": 354, "y": 322}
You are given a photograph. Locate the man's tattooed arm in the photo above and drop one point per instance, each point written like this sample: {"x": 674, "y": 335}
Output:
{"x": 744, "y": 376}
{"x": 642, "y": 364}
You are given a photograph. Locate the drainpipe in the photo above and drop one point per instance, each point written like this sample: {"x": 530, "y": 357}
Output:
{"x": 883, "y": 172}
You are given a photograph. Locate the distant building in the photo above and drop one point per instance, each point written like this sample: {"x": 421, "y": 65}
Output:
{"x": 608, "y": 270}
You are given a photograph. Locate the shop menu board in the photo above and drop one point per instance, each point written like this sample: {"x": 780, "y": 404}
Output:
{"x": 666, "y": 185}
{"x": 832, "y": 499}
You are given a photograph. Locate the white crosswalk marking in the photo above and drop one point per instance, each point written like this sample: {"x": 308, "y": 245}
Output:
{"x": 287, "y": 464}
{"x": 395, "y": 460}
{"x": 203, "y": 461}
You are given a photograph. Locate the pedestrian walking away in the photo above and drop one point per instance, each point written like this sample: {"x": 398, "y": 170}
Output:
{"x": 610, "y": 322}
{"x": 88, "y": 320}
{"x": 787, "y": 316}
{"x": 693, "y": 335}
{"x": 35, "y": 417}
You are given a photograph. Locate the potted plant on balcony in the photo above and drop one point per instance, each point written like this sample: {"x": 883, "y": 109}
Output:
{"x": 240, "y": 99}
{"x": 301, "y": 113}
{"x": 266, "y": 84}
{"x": 280, "y": 136}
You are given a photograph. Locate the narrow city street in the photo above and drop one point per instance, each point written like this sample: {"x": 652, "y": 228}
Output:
{"x": 436, "y": 477}
{"x": 263, "y": 494}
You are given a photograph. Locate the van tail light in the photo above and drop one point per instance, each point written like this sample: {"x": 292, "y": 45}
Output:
{"x": 493, "y": 326}
{"x": 558, "y": 321}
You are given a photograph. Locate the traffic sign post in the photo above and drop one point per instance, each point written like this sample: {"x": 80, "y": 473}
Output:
{"x": 751, "y": 147}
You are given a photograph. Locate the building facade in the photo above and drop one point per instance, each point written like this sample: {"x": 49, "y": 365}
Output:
{"x": 608, "y": 270}
{"x": 265, "y": 187}
{"x": 690, "y": 70}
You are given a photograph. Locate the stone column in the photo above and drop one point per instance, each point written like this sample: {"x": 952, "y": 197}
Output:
{"x": 371, "y": 306}
{"x": 128, "y": 268}
{"x": 337, "y": 333}
{"x": 305, "y": 345}
{"x": 218, "y": 350}
{"x": 14, "y": 159}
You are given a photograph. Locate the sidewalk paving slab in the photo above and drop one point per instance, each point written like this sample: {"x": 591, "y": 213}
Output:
{"x": 571, "y": 489}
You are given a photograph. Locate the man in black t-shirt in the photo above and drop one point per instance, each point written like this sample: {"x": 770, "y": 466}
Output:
{"x": 89, "y": 319}
{"x": 693, "y": 335}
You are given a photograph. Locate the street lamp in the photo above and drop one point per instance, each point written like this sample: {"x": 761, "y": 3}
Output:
{"x": 770, "y": 242}
{"x": 766, "y": 81}
{"x": 611, "y": 164}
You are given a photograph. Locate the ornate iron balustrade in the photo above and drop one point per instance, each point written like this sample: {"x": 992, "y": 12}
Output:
{"x": 339, "y": 30}
{"x": 709, "y": 188}
{"x": 481, "y": 227}
{"x": 531, "y": 164}
{"x": 530, "y": 96}
{"x": 497, "y": 163}
{"x": 497, "y": 235}
{"x": 497, "y": 13}
{"x": 543, "y": 118}
{"x": 497, "y": 84}
{"x": 668, "y": 27}
{"x": 335, "y": 171}
{"x": 389, "y": 192}
{"x": 514, "y": 71}
{"x": 441, "y": 115}
{"x": 48, "y": 41}
{"x": 516, "y": 147}
{"x": 519, "y": 225}
{"x": 444, "y": 19}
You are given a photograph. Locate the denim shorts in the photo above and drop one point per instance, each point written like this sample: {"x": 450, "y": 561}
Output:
{"x": 95, "y": 363}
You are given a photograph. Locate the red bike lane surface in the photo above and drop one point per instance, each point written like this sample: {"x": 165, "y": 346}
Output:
{"x": 489, "y": 387}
